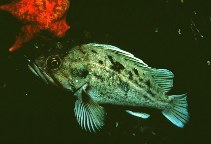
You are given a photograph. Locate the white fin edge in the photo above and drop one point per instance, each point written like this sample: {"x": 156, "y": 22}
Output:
{"x": 177, "y": 113}
{"x": 125, "y": 53}
{"x": 138, "y": 114}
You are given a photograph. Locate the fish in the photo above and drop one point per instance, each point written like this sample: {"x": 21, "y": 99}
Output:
{"x": 98, "y": 74}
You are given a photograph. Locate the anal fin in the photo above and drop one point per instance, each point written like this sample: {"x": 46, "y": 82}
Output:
{"x": 138, "y": 114}
{"x": 89, "y": 114}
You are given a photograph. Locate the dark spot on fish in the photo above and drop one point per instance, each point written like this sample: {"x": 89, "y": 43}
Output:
{"x": 80, "y": 72}
{"x": 130, "y": 75}
{"x": 148, "y": 83}
{"x": 111, "y": 59}
{"x": 135, "y": 71}
{"x": 145, "y": 97}
{"x": 116, "y": 66}
{"x": 124, "y": 86}
{"x": 100, "y": 62}
{"x": 99, "y": 77}
{"x": 84, "y": 73}
{"x": 140, "y": 79}
{"x": 94, "y": 51}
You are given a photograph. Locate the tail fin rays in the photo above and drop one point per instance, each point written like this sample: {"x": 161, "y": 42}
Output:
{"x": 177, "y": 113}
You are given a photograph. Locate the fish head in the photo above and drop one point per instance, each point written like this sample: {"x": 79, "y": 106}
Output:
{"x": 52, "y": 68}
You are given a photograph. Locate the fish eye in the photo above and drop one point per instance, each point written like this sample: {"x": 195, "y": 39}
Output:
{"x": 53, "y": 62}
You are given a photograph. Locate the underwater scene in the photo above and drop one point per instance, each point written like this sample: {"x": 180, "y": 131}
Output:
{"x": 105, "y": 71}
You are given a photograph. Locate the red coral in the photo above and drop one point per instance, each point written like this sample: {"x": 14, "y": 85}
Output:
{"x": 38, "y": 15}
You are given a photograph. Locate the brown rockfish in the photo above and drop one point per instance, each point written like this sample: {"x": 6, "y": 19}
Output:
{"x": 103, "y": 74}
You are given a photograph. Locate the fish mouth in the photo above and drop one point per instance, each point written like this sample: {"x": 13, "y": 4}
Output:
{"x": 38, "y": 72}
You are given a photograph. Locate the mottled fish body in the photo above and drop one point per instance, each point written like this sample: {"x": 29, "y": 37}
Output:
{"x": 104, "y": 74}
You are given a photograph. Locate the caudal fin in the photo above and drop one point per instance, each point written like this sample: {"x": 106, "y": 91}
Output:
{"x": 177, "y": 113}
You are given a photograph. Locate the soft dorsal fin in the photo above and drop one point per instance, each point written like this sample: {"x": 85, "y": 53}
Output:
{"x": 128, "y": 55}
{"x": 164, "y": 78}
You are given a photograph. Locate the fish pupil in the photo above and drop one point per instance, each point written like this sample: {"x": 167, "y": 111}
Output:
{"x": 53, "y": 62}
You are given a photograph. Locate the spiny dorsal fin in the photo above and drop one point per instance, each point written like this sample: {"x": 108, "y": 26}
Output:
{"x": 128, "y": 55}
{"x": 89, "y": 114}
{"x": 164, "y": 78}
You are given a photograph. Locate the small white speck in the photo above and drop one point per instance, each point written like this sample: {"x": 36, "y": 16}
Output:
{"x": 195, "y": 12}
{"x": 76, "y": 80}
{"x": 179, "y": 31}
{"x": 208, "y": 63}
{"x": 36, "y": 45}
{"x": 153, "y": 133}
{"x": 134, "y": 134}
{"x": 26, "y": 94}
{"x": 59, "y": 45}
{"x": 142, "y": 129}
{"x": 3, "y": 85}
{"x": 195, "y": 30}
{"x": 156, "y": 30}
{"x": 182, "y": 1}
{"x": 117, "y": 124}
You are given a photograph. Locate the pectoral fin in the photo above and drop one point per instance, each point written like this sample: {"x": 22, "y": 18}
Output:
{"x": 138, "y": 114}
{"x": 89, "y": 114}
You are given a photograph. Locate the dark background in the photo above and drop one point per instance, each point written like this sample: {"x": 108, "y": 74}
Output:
{"x": 163, "y": 33}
